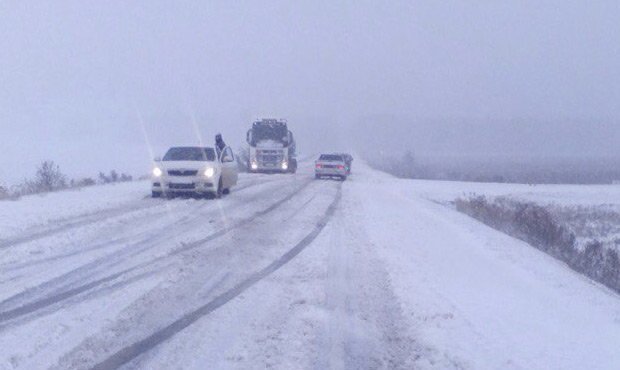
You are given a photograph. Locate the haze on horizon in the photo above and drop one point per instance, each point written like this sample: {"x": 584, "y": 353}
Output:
{"x": 107, "y": 85}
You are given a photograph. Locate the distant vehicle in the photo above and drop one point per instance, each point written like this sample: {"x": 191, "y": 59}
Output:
{"x": 195, "y": 171}
{"x": 271, "y": 147}
{"x": 331, "y": 165}
{"x": 348, "y": 159}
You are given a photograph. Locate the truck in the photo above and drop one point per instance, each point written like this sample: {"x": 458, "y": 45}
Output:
{"x": 271, "y": 147}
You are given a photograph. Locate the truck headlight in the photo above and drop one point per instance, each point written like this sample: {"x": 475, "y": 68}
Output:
{"x": 209, "y": 172}
{"x": 157, "y": 172}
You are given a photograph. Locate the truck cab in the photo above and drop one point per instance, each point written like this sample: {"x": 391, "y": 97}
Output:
{"x": 271, "y": 147}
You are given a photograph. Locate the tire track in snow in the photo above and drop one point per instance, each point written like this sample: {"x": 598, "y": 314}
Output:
{"x": 137, "y": 349}
{"x": 37, "y": 233}
{"x": 98, "y": 246}
{"x": 93, "y": 267}
{"x": 366, "y": 328}
{"x": 45, "y": 302}
{"x": 33, "y": 306}
{"x": 103, "y": 245}
{"x": 40, "y": 232}
{"x": 87, "y": 270}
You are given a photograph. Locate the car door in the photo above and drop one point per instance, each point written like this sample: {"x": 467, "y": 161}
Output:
{"x": 230, "y": 173}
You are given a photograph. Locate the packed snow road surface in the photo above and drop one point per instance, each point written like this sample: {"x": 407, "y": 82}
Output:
{"x": 286, "y": 272}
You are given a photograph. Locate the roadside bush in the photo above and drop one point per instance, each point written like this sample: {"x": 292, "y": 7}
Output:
{"x": 4, "y": 192}
{"x": 610, "y": 274}
{"x": 590, "y": 223}
{"x": 85, "y": 182}
{"x": 125, "y": 178}
{"x": 537, "y": 226}
{"x": 114, "y": 177}
{"x": 103, "y": 178}
{"x": 49, "y": 178}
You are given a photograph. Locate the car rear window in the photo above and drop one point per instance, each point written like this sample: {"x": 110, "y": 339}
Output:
{"x": 330, "y": 157}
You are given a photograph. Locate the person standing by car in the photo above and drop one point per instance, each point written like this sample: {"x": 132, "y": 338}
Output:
{"x": 219, "y": 144}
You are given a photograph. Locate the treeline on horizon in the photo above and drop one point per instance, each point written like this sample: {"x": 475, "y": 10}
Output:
{"x": 499, "y": 170}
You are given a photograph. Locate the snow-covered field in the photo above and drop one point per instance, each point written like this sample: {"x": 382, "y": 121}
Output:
{"x": 591, "y": 212}
{"x": 39, "y": 210}
{"x": 289, "y": 272}
{"x": 582, "y": 195}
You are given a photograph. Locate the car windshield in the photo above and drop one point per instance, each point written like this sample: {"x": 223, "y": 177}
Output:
{"x": 190, "y": 154}
{"x": 330, "y": 157}
{"x": 267, "y": 131}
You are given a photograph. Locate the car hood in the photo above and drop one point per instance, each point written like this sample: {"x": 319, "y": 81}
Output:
{"x": 185, "y": 165}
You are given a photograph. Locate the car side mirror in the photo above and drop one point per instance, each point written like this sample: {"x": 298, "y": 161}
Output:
{"x": 157, "y": 159}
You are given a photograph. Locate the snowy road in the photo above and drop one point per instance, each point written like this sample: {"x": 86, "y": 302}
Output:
{"x": 286, "y": 272}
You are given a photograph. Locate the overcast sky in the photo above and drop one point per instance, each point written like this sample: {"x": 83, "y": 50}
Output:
{"x": 107, "y": 84}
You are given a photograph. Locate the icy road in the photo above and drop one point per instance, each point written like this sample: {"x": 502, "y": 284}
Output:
{"x": 289, "y": 273}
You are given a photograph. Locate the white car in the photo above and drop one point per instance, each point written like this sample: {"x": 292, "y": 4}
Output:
{"x": 331, "y": 165}
{"x": 194, "y": 171}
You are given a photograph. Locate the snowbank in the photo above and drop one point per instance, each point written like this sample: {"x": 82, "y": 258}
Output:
{"x": 42, "y": 209}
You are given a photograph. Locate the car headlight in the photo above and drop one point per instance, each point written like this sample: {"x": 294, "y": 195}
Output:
{"x": 254, "y": 165}
{"x": 157, "y": 172}
{"x": 284, "y": 165}
{"x": 209, "y": 172}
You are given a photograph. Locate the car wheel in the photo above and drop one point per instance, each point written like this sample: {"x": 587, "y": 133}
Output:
{"x": 156, "y": 194}
{"x": 343, "y": 178}
{"x": 226, "y": 191}
{"x": 318, "y": 177}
